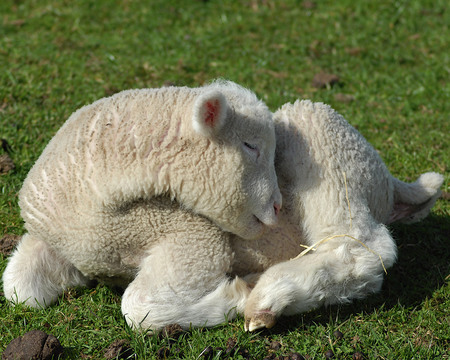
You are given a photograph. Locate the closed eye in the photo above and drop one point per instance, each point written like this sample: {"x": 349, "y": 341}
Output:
{"x": 250, "y": 146}
{"x": 251, "y": 149}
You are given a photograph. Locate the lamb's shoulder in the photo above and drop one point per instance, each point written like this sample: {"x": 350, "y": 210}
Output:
{"x": 328, "y": 139}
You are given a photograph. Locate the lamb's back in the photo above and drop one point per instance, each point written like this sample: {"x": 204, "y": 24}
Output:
{"x": 99, "y": 151}
{"x": 322, "y": 155}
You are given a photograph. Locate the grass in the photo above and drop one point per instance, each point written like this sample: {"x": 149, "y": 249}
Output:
{"x": 392, "y": 60}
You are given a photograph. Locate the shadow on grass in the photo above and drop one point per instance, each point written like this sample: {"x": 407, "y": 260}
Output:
{"x": 422, "y": 267}
{"x": 423, "y": 261}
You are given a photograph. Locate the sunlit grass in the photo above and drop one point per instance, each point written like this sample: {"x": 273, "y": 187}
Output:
{"x": 392, "y": 59}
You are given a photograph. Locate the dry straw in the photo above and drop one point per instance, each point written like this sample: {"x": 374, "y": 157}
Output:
{"x": 328, "y": 238}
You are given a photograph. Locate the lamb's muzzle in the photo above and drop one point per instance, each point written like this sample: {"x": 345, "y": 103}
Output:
{"x": 270, "y": 217}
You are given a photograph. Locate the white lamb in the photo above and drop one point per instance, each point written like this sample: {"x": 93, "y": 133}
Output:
{"x": 138, "y": 190}
{"x": 337, "y": 194}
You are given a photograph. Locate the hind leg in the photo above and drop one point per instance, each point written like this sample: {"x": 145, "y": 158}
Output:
{"x": 36, "y": 275}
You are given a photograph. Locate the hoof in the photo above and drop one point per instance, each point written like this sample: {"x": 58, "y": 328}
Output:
{"x": 260, "y": 320}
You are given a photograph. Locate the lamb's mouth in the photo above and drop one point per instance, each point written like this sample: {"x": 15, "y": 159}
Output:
{"x": 263, "y": 224}
{"x": 258, "y": 220}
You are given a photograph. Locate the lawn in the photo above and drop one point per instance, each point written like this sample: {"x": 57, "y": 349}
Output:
{"x": 388, "y": 66}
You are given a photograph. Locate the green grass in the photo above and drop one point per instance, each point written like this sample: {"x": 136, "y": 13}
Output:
{"x": 391, "y": 57}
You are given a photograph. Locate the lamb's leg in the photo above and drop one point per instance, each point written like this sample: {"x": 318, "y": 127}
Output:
{"x": 37, "y": 275}
{"x": 184, "y": 282}
{"x": 339, "y": 270}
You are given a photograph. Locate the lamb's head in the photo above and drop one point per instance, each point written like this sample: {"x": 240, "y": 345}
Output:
{"x": 237, "y": 183}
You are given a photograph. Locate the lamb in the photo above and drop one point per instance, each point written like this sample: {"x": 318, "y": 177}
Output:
{"x": 142, "y": 190}
{"x": 337, "y": 198}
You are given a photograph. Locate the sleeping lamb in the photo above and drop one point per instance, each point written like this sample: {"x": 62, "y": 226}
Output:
{"x": 337, "y": 196}
{"x": 141, "y": 189}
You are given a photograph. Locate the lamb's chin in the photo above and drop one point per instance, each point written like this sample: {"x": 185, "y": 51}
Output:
{"x": 255, "y": 228}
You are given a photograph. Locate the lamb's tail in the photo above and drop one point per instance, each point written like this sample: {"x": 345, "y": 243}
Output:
{"x": 413, "y": 201}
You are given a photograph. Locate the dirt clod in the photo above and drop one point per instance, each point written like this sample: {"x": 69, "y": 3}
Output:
{"x": 231, "y": 344}
{"x": 7, "y": 243}
{"x": 34, "y": 345}
{"x": 172, "y": 331}
{"x": 275, "y": 345}
{"x": 309, "y": 5}
{"x": 323, "y": 80}
{"x": 356, "y": 340}
{"x": 445, "y": 195}
{"x": 329, "y": 354}
{"x": 338, "y": 335}
{"x": 119, "y": 349}
{"x": 270, "y": 357}
{"x": 296, "y": 356}
{"x": 358, "y": 356}
{"x": 6, "y": 164}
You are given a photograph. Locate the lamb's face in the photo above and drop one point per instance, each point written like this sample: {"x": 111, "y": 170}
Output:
{"x": 242, "y": 194}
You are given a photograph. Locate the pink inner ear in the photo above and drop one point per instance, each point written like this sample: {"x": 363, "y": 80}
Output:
{"x": 212, "y": 111}
{"x": 402, "y": 211}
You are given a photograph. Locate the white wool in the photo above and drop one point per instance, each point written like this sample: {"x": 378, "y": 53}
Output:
{"x": 173, "y": 261}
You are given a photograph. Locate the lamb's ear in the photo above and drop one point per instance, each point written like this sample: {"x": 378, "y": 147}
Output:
{"x": 210, "y": 112}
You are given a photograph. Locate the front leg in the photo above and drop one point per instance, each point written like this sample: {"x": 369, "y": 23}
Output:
{"x": 339, "y": 270}
{"x": 183, "y": 280}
